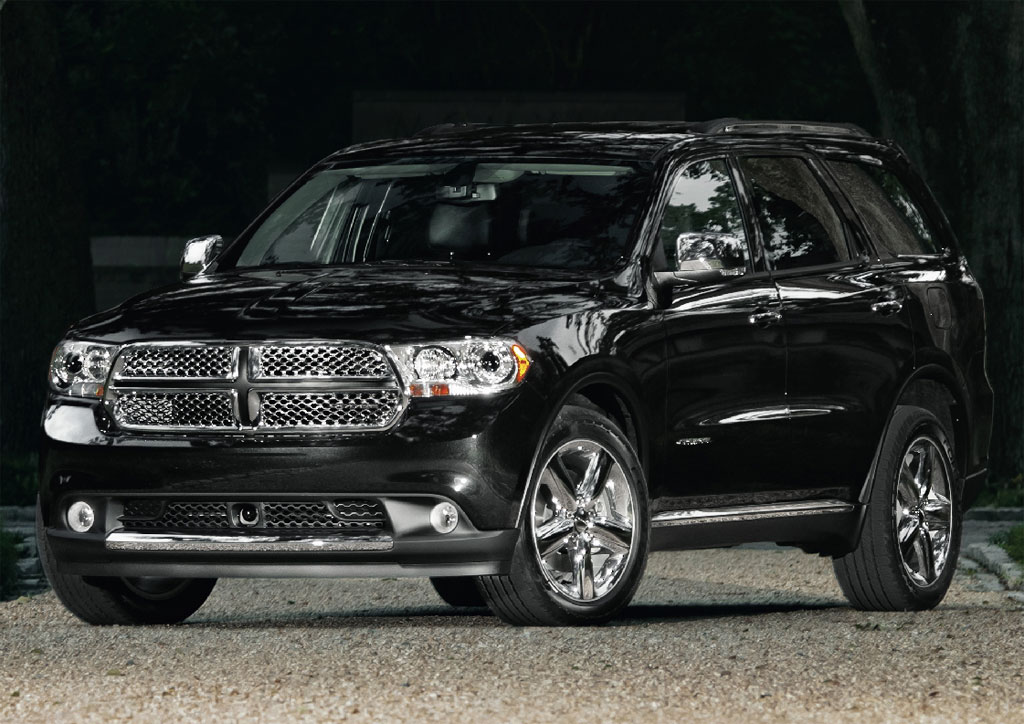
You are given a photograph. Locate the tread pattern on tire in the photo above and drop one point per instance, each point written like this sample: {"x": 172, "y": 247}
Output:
{"x": 506, "y": 602}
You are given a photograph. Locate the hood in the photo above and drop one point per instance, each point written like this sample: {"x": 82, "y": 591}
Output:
{"x": 380, "y": 304}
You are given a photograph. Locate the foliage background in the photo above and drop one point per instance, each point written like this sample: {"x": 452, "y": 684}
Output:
{"x": 164, "y": 117}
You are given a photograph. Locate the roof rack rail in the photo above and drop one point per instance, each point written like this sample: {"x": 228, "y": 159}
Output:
{"x": 737, "y": 125}
{"x": 442, "y": 128}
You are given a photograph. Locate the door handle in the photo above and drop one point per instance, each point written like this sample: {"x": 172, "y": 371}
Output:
{"x": 764, "y": 318}
{"x": 887, "y": 307}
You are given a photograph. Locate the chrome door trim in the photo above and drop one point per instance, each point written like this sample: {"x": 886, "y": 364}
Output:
{"x": 122, "y": 541}
{"x": 777, "y": 412}
{"x": 761, "y": 415}
{"x": 738, "y": 513}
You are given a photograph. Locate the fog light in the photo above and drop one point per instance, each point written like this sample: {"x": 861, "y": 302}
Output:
{"x": 80, "y": 516}
{"x": 444, "y": 517}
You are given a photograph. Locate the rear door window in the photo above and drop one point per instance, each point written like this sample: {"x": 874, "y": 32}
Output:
{"x": 894, "y": 220}
{"x": 798, "y": 222}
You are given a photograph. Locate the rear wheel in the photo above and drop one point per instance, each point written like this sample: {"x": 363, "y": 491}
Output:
{"x": 459, "y": 591}
{"x": 911, "y": 537}
{"x": 584, "y": 532}
{"x": 123, "y": 601}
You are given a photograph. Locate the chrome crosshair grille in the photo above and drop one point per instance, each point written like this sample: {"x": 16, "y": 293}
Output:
{"x": 329, "y": 409}
{"x": 305, "y": 362}
{"x": 265, "y": 388}
{"x": 201, "y": 410}
{"x": 168, "y": 362}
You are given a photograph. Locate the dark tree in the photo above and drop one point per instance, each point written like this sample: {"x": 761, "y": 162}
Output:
{"x": 168, "y": 105}
{"x": 948, "y": 79}
{"x": 45, "y": 264}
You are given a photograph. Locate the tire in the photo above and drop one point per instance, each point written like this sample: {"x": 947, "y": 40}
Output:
{"x": 909, "y": 504}
{"x": 122, "y": 601}
{"x": 592, "y": 519}
{"x": 459, "y": 591}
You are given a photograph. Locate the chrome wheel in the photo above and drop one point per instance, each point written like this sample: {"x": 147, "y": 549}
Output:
{"x": 924, "y": 511}
{"x": 584, "y": 517}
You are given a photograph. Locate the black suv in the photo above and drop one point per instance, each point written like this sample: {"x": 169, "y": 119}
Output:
{"x": 516, "y": 360}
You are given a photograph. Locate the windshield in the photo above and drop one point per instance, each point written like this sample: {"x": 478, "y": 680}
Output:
{"x": 561, "y": 215}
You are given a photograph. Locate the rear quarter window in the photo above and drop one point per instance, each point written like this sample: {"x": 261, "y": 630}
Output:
{"x": 895, "y": 221}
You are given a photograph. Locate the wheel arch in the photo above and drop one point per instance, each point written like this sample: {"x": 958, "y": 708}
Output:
{"x": 937, "y": 389}
{"x": 611, "y": 387}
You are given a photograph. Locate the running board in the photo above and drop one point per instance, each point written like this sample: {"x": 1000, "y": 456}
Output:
{"x": 820, "y": 526}
{"x": 750, "y": 512}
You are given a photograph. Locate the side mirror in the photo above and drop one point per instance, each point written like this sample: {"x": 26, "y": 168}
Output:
{"x": 199, "y": 253}
{"x": 711, "y": 251}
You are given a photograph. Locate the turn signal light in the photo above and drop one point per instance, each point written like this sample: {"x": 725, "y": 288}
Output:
{"x": 429, "y": 390}
{"x": 522, "y": 361}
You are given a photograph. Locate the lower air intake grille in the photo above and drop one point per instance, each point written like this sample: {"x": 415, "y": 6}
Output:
{"x": 364, "y": 515}
{"x": 150, "y": 514}
{"x": 330, "y": 410}
{"x": 195, "y": 410}
{"x": 345, "y": 515}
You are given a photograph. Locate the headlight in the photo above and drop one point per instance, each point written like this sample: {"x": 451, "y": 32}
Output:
{"x": 461, "y": 367}
{"x": 81, "y": 368}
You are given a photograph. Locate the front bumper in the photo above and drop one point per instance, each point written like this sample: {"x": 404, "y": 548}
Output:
{"x": 474, "y": 553}
{"x": 467, "y": 452}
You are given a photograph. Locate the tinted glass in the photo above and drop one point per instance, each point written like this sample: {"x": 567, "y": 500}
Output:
{"x": 894, "y": 220}
{"x": 516, "y": 214}
{"x": 702, "y": 227}
{"x": 799, "y": 224}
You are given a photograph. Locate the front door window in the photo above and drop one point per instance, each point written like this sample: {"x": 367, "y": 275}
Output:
{"x": 702, "y": 228}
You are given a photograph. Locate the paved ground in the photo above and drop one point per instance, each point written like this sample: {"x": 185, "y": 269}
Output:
{"x": 746, "y": 635}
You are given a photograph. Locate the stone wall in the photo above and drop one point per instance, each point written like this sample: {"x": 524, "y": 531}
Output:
{"x": 22, "y": 521}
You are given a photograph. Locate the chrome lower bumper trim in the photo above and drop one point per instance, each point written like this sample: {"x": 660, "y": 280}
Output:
{"x": 739, "y": 513}
{"x": 121, "y": 541}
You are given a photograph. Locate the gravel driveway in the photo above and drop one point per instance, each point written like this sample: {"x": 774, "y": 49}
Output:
{"x": 731, "y": 635}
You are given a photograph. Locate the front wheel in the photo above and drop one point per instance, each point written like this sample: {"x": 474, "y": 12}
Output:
{"x": 123, "y": 601}
{"x": 584, "y": 531}
{"x": 911, "y": 537}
